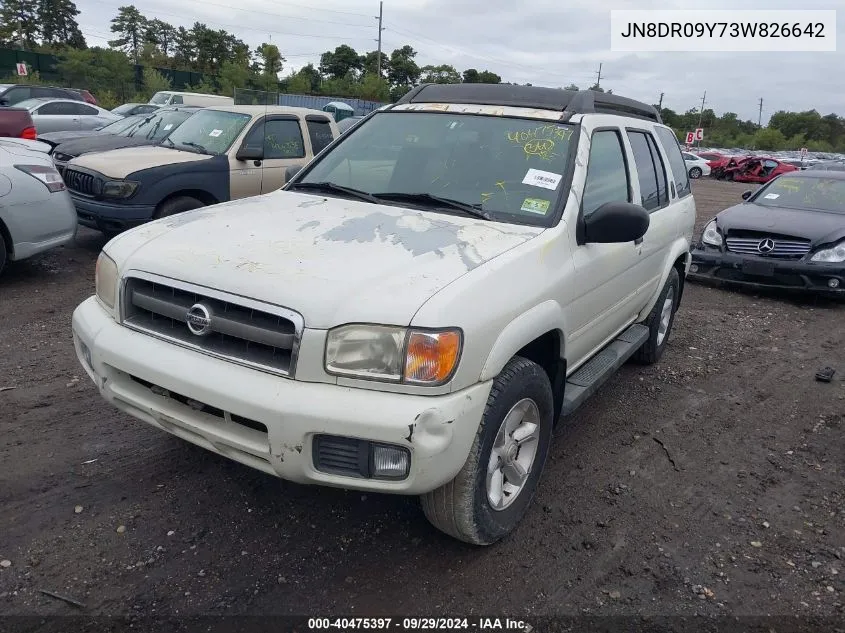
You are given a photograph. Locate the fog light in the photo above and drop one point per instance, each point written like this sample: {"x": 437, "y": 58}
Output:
{"x": 832, "y": 283}
{"x": 693, "y": 268}
{"x": 390, "y": 462}
{"x": 86, "y": 354}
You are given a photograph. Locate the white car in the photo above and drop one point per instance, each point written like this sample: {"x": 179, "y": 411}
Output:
{"x": 36, "y": 212}
{"x": 696, "y": 166}
{"x": 414, "y": 311}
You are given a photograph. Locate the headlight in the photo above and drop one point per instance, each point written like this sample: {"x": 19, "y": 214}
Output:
{"x": 105, "y": 280}
{"x": 393, "y": 354}
{"x": 118, "y": 188}
{"x": 711, "y": 235}
{"x": 833, "y": 255}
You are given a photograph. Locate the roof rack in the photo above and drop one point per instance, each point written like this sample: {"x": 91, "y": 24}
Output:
{"x": 569, "y": 102}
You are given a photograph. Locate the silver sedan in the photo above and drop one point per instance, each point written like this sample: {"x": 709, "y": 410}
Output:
{"x": 65, "y": 115}
{"x": 36, "y": 212}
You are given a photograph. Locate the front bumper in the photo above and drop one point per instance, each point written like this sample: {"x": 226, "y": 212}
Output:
{"x": 711, "y": 265}
{"x": 108, "y": 216}
{"x": 267, "y": 422}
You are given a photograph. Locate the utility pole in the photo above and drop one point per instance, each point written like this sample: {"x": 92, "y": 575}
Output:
{"x": 701, "y": 113}
{"x": 380, "y": 29}
{"x": 660, "y": 104}
{"x": 598, "y": 81}
{"x": 760, "y": 115}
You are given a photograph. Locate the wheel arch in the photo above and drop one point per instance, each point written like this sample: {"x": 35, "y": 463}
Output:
{"x": 537, "y": 335}
{"x": 206, "y": 197}
{"x": 679, "y": 258}
{"x": 6, "y": 236}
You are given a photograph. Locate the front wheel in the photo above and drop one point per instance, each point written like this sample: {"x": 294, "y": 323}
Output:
{"x": 695, "y": 172}
{"x": 489, "y": 496}
{"x": 660, "y": 321}
{"x": 177, "y": 205}
{"x": 3, "y": 255}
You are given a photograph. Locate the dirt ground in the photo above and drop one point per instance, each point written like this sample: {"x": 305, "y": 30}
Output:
{"x": 710, "y": 483}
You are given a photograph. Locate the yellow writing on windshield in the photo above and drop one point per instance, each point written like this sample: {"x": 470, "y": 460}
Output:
{"x": 539, "y": 141}
{"x": 790, "y": 184}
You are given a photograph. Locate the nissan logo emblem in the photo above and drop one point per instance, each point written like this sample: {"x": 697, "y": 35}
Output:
{"x": 766, "y": 246}
{"x": 198, "y": 319}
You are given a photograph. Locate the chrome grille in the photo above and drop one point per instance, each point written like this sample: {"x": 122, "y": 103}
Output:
{"x": 82, "y": 182}
{"x": 779, "y": 247}
{"x": 237, "y": 329}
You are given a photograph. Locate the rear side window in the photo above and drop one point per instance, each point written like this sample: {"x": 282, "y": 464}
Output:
{"x": 670, "y": 145}
{"x": 320, "y": 133}
{"x": 650, "y": 170}
{"x": 607, "y": 173}
{"x": 281, "y": 138}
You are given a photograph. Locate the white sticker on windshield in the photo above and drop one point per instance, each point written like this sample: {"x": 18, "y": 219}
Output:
{"x": 215, "y": 133}
{"x": 169, "y": 126}
{"x": 540, "y": 178}
{"x": 772, "y": 196}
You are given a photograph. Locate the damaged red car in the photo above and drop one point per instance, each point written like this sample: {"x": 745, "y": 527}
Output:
{"x": 760, "y": 169}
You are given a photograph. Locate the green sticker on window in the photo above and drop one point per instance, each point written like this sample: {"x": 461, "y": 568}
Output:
{"x": 535, "y": 205}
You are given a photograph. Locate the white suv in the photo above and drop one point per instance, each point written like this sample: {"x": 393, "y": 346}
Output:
{"x": 417, "y": 308}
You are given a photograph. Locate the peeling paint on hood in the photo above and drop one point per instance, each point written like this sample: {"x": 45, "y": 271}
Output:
{"x": 338, "y": 262}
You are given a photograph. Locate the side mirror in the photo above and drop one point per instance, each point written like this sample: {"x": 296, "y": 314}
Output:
{"x": 250, "y": 153}
{"x": 616, "y": 223}
{"x": 291, "y": 171}
{"x": 4, "y": 101}
{"x": 747, "y": 194}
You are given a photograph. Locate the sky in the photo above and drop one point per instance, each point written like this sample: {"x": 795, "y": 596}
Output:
{"x": 532, "y": 41}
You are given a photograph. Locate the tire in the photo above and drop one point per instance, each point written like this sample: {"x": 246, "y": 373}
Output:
{"x": 659, "y": 322}
{"x": 462, "y": 508}
{"x": 177, "y": 205}
{"x": 729, "y": 175}
{"x": 695, "y": 173}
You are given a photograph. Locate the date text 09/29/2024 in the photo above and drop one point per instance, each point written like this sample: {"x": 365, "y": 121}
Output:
{"x": 419, "y": 624}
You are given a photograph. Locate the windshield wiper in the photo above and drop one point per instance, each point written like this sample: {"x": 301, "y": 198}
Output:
{"x": 333, "y": 188}
{"x": 473, "y": 210}
{"x": 167, "y": 138}
{"x": 197, "y": 146}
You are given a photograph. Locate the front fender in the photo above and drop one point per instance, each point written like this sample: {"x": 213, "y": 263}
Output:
{"x": 542, "y": 318}
{"x": 157, "y": 183}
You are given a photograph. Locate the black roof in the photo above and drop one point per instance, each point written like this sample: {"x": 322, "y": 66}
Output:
{"x": 815, "y": 173}
{"x": 569, "y": 102}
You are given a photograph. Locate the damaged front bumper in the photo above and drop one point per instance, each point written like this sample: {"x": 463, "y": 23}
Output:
{"x": 716, "y": 266}
{"x": 310, "y": 433}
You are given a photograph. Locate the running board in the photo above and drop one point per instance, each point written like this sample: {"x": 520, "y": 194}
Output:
{"x": 586, "y": 381}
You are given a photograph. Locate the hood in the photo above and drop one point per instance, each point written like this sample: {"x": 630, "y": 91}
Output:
{"x": 102, "y": 143}
{"x": 54, "y": 138}
{"x": 816, "y": 226}
{"x": 333, "y": 261}
{"x": 22, "y": 146}
{"x": 119, "y": 163}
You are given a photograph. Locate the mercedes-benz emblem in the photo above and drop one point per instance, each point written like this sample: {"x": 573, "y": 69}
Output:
{"x": 766, "y": 246}
{"x": 198, "y": 319}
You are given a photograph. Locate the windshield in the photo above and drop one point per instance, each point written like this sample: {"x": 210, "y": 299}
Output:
{"x": 510, "y": 169}
{"x": 160, "y": 98}
{"x": 209, "y": 131}
{"x": 809, "y": 194}
{"x": 122, "y": 125}
{"x": 126, "y": 107}
{"x": 157, "y": 126}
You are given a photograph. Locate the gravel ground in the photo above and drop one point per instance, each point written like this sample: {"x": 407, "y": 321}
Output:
{"x": 710, "y": 483}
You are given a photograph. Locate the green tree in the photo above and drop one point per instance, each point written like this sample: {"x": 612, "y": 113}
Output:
{"x": 769, "y": 139}
{"x": 163, "y": 35}
{"x": 155, "y": 82}
{"x": 19, "y": 23}
{"x": 306, "y": 81}
{"x": 403, "y": 71}
{"x": 58, "y": 24}
{"x": 339, "y": 63}
{"x": 371, "y": 66}
{"x": 572, "y": 87}
{"x": 98, "y": 70}
{"x": 373, "y": 88}
{"x": 233, "y": 76}
{"x": 131, "y": 28}
{"x": 184, "y": 49}
{"x": 271, "y": 60}
{"x": 470, "y": 76}
{"x": 442, "y": 74}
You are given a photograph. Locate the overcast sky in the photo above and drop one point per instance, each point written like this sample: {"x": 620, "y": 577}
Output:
{"x": 533, "y": 41}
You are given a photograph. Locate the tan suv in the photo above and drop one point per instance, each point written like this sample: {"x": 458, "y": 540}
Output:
{"x": 218, "y": 154}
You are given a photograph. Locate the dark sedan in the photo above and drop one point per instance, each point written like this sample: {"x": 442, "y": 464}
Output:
{"x": 790, "y": 234}
{"x": 151, "y": 130}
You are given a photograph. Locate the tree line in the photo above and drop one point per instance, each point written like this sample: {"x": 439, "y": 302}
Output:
{"x": 226, "y": 63}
